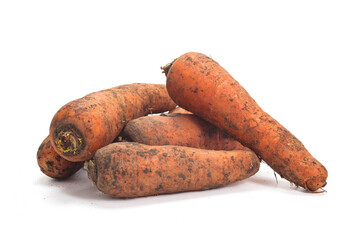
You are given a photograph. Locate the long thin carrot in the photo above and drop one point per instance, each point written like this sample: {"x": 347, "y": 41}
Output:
{"x": 134, "y": 170}
{"x": 84, "y": 125}
{"x": 200, "y": 85}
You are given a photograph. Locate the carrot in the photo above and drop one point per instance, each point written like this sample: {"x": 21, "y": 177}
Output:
{"x": 134, "y": 170}
{"x": 52, "y": 165}
{"x": 200, "y": 85}
{"x": 179, "y": 110}
{"x": 179, "y": 129}
{"x": 84, "y": 125}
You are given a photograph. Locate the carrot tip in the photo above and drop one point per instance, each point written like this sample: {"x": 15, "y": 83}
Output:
{"x": 313, "y": 185}
{"x": 90, "y": 167}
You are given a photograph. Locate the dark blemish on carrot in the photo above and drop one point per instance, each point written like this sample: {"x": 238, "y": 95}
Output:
{"x": 107, "y": 161}
{"x": 212, "y": 131}
{"x": 115, "y": 179}
{"x": 158, "y": 173}
{"x": 153, "y": 152}
{"x": 141, "y": 154}
{"x": 114, "y": 94}
{"x": 49, "y": 164}
{"x": 231, "y": 125}
{"x": 251, "y": 169}
{"x": 182, "y": 176}
{"x": 159, "y": 187}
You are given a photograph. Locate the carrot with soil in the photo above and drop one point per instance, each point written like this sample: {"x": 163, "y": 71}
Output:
{"x": 199, "y": 84}
{"x": 52, "y": 165}
{"x": 134, "y": 170}
{"x": 179, "y": 129}
{"x": 84, "y": 125}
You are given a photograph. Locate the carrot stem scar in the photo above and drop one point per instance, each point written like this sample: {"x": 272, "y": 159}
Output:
{"x": 69, "y": 142}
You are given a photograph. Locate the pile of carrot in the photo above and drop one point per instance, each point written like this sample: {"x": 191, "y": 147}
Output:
{"x": 210, "y": 132}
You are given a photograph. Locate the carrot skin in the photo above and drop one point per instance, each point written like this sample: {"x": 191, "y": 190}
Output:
{"x": 84, "y": 125}
{"x": 200, "y": 85}
{"x": 54, "y": 166}
{"x": 180, "y": 110}
{"x": 134, "y": 170}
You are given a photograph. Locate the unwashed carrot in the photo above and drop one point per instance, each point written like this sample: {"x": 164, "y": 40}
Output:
{"x": 200, "y": 85}
{"x": 52, "y": 165}
{"x": 84, "y": 125}
{"x": 179, "y": 129}
{"x": 134, "y": 170}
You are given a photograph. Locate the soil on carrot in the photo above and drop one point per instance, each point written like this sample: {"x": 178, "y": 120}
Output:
{"x": 69, "y": 140}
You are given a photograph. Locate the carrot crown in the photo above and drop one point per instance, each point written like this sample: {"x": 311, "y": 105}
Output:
{"x": 167, "y": 67}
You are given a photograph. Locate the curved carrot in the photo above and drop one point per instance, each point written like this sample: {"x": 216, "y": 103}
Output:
{"x": 134, "y": 170}
{"x": 179, "y": 129}
{"x": 84, "y": 125}
{"x": 52, "y": 165}
{"x": 200, "y": 85}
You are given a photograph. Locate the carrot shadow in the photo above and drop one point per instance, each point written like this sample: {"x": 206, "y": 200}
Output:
{"x": 78, "y": 188}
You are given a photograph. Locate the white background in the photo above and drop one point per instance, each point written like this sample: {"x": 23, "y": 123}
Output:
{"x": 300, "y": 60}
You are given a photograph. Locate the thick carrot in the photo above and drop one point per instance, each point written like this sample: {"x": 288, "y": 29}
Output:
{"x": 52, "y": 165}
{"x": 179, "y": 129}
{"x": 200, "y": 85}
{"x": 84, "y": 125}
{"x": 134, "y": 170}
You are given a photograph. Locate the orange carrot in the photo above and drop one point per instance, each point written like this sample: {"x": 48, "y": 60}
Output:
{"x": 84, "y": 125}
{"x": 200, "y": 85}
{"x": 180, "y": 110}
{"x": 134, "y": 170}
{"x": 179, "y": 129}
{"x": 52, "y": 165}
